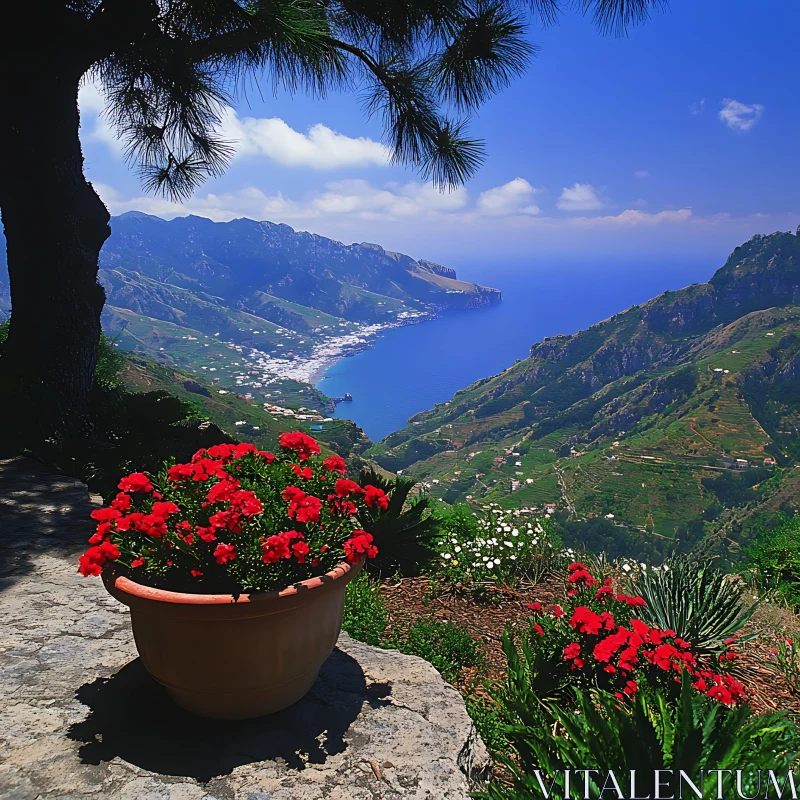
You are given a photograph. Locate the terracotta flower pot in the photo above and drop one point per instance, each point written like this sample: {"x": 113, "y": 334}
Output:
{"x": 234, "y": 659}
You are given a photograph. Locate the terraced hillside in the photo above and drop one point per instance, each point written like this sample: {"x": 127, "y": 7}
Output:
{"x": 663, "y": 418}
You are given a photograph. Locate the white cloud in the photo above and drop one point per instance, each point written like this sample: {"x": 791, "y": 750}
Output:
{"x": 738, "y": 116}
{"x": 698, "y": 107}
{"x": 355, "y": 199}
{"x": 511, "y": 198}
{"x": 641, "y": 173}
{"x": 320, "y": 148}
{"x": 580, "y": 197}
{"x": 357, "y": 205}
{"x": 633, "y": 217}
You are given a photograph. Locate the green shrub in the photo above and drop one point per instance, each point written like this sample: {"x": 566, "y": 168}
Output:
{"x": 775, "y": 559}
{"x": 651, "y": 732}
{"x": 364, "y": 610}
{"x": 110, "y": 361}
{"x": 489, "y": 723}
{"x": 448, "y": 647}
{"x": 700, "y": 603}
{"x": 787, "y": 663}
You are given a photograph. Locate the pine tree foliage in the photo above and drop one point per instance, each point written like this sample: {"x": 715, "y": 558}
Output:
{"x": 169, "y": 69}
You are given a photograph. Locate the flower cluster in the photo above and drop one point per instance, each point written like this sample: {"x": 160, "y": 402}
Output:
{"x": 236, "y": 518}
{"x": 498, "y": 546}
{"x": 599, "y": 642}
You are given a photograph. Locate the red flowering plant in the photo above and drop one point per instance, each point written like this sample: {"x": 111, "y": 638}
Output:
{"x": 596, "y": 641}
{"x": 234, "y": 519}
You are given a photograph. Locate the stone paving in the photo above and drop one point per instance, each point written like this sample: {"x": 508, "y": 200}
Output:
{"x": 79, "y": 716}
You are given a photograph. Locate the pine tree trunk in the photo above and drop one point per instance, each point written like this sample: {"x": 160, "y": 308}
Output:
{"x": 55, "y": 225}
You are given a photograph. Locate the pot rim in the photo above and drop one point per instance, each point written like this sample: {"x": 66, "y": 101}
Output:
{"x": 130, "y": 587}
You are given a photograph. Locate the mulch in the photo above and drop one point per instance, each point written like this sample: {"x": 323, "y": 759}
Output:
{"x": 411, "y": 599}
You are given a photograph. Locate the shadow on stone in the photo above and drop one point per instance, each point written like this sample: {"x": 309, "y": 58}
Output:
{"x": 133, "y": 718}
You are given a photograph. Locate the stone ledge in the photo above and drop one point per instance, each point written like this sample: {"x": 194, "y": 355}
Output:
{"x": 79, "y": 716}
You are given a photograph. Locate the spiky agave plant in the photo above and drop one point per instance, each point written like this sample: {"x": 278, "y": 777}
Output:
{"x": 651, "y": 732}
{"x": 404, "y": 534}
{"x": 696, "y": 600}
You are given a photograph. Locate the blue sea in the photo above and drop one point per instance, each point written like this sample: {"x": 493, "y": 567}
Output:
{"x": 410, "y": 369}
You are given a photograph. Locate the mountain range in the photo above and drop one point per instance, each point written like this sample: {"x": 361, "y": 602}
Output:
{"x": 196, "y": 294}
{"x": 668, "y": 419}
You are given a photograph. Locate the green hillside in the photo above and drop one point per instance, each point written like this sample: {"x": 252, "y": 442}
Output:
{"x": 236, "y": 415}
{"x": 667, "y": 420}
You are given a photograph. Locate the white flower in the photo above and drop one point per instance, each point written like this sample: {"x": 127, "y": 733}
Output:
{"x": 486, "y": 558}
{"x": 490, "y": 564}
{"x": 535, "y": 541}
{"x": 513, "y": 557}
{"x": 446, "y": 555}
{"x": 457, "y": 548}
{"x": 454, "y": 541}
{"x": 508, "y": 544}
{"x": 515, "y": 533}
{"x": 626, "y": 567}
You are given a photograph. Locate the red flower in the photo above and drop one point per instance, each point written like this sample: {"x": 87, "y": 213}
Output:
{"x": 223, "y": 491}
{"x": 137, "y": 562}
{"x": 274, "y": 548}
{"x": 196, "y": 573}
{"x": 136, "y": 482}
{"x": 340, "y": 506}
{"x": 122, "y": 502}
{"x": 535, "y": 607}
{"x": 222, "y": 451}
{"x": 244, "y": 449}
{"x": 105, "y": 514}
{"x": 300, "y": 550}
{"x": 359, "y": 545}
{"x": 630, "y": 688}
{"x": 305, "y": 509}
{"x": 247, "y": 503}
{"x": 302, "y": 472}
{"x": 558, "y": 611}
{"x": 303, "y": 445}
{"x": 347, "y": 488}
{"x": 538, "y": 628}
{"x": 92, "y": 561}
{"x": 572, "y": 651}
{"x": 581, "y": 575}
{"x": 292, "y": 493}
{"x": 335, "y": 464}
{"x": 576, "y": 565}
{"x": 268, "y": 457}
{"x": 603, "y": 592}
{"x": 164, "y": 509}
{"x": 224, "y": 553}
{"x": 373, "y": 496}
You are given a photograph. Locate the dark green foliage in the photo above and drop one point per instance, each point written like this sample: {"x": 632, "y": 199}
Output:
{"x": 109, "y": 364}
{"x": 774, "y": 558}
{"x": 701, "y": 604}
{"x": 488, "y": 721}
{"x": 599, "y": 732}
{"x": 448, "y": 647}
{"x": 405, "y": 533}
{"x": 736, "y": 488}
{"x": 600, "y": 535}
{"x": 364, "y": 610}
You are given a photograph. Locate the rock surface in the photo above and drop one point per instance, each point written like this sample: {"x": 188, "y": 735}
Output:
{"x": 79, "y": 716}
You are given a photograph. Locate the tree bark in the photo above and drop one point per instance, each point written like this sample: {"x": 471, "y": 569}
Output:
{"x": 55, "y": 225}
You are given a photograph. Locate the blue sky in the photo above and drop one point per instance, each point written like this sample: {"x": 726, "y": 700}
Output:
{"x": 678, "y": 141}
